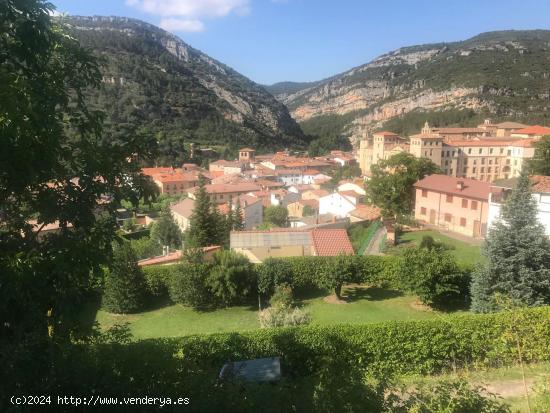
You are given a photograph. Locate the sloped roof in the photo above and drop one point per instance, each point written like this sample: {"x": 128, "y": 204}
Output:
{"x": 533, "y": 130}
{"x": 449, "y": 185}
{"x": 366, "y": 212}
{"x": 510, "y": 125}
{"x": 184, "y": 207}
{"x": 331, "y": 242}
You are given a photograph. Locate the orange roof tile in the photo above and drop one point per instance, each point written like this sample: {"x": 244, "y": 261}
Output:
{"x": 533, "y": 130}
{"x": 331, "y": 242}
{"x": 366, "y": 212}
{"x": 540, "y": 183}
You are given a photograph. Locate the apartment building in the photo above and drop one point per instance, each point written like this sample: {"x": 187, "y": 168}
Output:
{"x": 488, "y": 152}
{"x": 458, "y": 205}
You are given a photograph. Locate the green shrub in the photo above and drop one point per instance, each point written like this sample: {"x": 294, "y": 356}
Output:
{"x": 279, "y": 316}
{"x": 231, "y": 277}
{"x": 188, "y": 285}
{"x": 158, "y": 278}
{"x": 448, "y": 396}
{"x": 282, "y": 297}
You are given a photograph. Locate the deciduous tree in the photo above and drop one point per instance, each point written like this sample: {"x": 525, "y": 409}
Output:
{"x": 391, "y": 184}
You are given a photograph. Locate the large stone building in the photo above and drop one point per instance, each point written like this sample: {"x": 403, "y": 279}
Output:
{"x": 486, "y": 153}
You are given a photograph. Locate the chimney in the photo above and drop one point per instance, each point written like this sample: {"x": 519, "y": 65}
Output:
{"x": 460, "y": 185}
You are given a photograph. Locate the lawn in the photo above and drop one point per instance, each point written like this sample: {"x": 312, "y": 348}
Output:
{"x": 365, "y": 305}
{"x": 505, "y": 382}
{"x": 467, "y": 254}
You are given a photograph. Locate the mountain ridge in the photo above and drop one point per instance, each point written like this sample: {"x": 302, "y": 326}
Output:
{"x": 155, "y": 80}
{"x": 502, "y": 74}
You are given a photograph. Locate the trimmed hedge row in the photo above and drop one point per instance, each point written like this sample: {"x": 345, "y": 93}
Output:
{"x": 412, "y": 347}
{"x": 324, "y": 367}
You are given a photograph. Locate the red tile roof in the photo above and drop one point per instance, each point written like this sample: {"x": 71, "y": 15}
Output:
{"x": 540, "y": 183}
{"x": 331, "y": 242}
{"x": 366, "y": 212}
{"x": 449, "y": 185}
{"x": 156, "y": 171}
{"x": 184, "y": 207}
{"x": 533, "y": 130}
{"x": 385, "y": 133}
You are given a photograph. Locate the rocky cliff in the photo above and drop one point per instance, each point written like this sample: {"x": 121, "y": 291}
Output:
{"x": 501, "y": 74}
{"x": 154, "y": 80}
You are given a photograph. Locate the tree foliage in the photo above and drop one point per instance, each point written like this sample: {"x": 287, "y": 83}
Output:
{"x": 124, "y": 289}
{"x": 432, "y": 274}
{"x": 540, "y": 164}
{"x": 166, "y": 232}
{"x": 231, "y": 278}
{"x": 56, "y": 164}
{"x": 276, "y": 215}
{"x": 391, "y": 184}
{"x": 518, "y": 255}
{"x": 203, "y": 230}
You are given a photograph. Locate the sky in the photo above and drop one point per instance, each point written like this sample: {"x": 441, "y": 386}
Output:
{"x": 305, "y": 40}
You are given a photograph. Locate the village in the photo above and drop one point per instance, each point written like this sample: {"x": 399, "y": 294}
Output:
{"x": 479, "y": 168}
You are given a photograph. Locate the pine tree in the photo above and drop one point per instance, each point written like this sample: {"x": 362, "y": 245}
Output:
{"x": 124, "y": 290}
{"x": 237, "y": 218}
{"x": 166, "y": 232}
{"x": 518, "y": 255}
{"x": 201, "y": 224}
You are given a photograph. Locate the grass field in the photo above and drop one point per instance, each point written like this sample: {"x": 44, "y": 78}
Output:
{"x": 365, "y": 305}
{"x": 465, "y": 253}
{"x": 505, "y": 382}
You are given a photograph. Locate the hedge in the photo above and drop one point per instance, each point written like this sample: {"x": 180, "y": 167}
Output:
{"x": 387, "y": 349}
{"x": 319, "y": 363}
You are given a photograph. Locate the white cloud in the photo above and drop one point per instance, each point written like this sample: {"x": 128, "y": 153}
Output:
{"x": 183, "y": 25}
{"x": 187, "y": 15}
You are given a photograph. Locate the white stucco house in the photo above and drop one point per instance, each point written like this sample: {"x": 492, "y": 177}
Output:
{"x": 339, "y": 204}
{"x": 540, "y": 186}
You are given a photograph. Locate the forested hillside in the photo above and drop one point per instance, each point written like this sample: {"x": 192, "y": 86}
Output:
{"x": 154, "y": 81}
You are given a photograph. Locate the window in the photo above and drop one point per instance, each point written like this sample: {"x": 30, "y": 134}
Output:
{"x": 451, "y": 171}
{"x": 464, "y": 203}
{"x": 449, "y": 198}
{"x": 424, "y": 193}
{"x": 509, "y": 152}
{"x": 473, "y": 205}
{"x": 489, "y": 169}
{"x": 465, "y": 170}
{"x": 480, "y": 150}
{"x": 462, "y": 222}
{"x": 448, "y": 217}
{"x": 474, "y": 170}
{"x": 422, "y": 211}
{"x": 469, "y": 151}
{"x": 501, "y": 151}
{"x": 491, "y": 150}
{"x": 482, "y": 169}
{"x": 483, "y": 161}
{"x": 490, "y": 161}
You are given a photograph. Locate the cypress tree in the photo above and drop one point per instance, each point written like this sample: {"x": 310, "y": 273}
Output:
{"x": 237, "y": 218}
{"x": 201, "y": 223}
{"x": 124, "y": 290}
{"x": 518, "y": 255}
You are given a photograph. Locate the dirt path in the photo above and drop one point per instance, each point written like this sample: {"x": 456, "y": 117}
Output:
{"x": 509, "y": 388}
{"x": 374, "y": 246}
